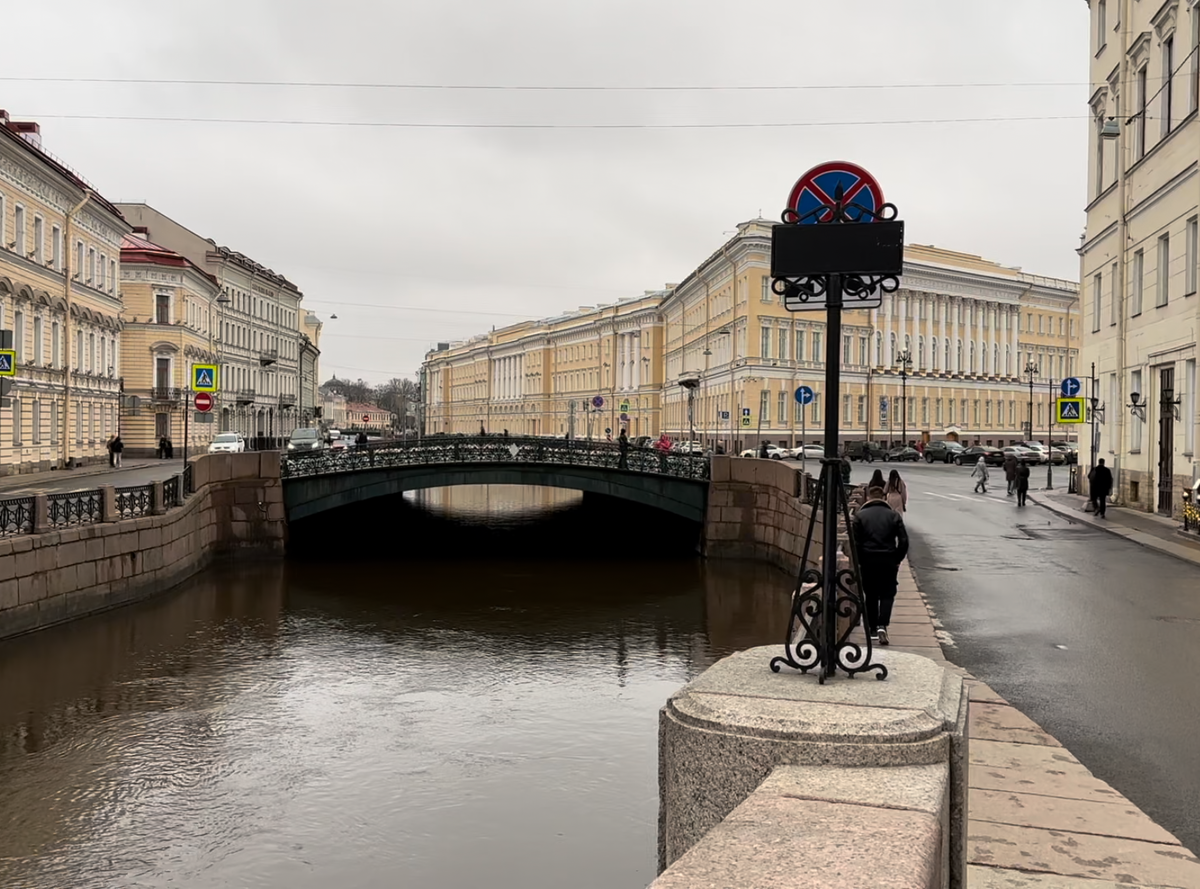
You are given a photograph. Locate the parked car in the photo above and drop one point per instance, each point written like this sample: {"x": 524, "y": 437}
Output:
{"x": 1042, "y": 452}
{"x": 687, "y": 447}
{"x": 970, "y": 456}
{"x": 1070, "y": 452}
{"x": 773, "y": 452}
{"x": 227, "y": 443}
{"x": 1022, "y": 453}
{"x": 902, "y": 455}
{"x": 305, "y": 440}
{"x": 942, "y": 451}
{"x": 808, "y": 452}
{"x": 864, "y": 450}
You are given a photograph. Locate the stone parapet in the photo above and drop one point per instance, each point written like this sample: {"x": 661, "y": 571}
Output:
{"x": 50, "y": 577}
{"x": 820, "y": 775}
{"x": 755, "y": 512}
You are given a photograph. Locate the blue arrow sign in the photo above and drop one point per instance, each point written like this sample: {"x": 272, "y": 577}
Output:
{"x": 1071, "y": 387}
{"x": 804, "y": 395}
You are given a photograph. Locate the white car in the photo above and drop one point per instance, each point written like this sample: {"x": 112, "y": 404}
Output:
{"x": 227, "y": 443}
{"x": 808, "y": 452}
{"x": 773, "y": 452}
{"x": 687, "y": 447}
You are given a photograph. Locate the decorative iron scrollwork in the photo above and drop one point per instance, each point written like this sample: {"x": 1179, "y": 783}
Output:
{"x": 839, "y": 211}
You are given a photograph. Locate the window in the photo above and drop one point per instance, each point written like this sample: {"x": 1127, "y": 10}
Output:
{"x": 162, "y": 373}
{"x": 781, "y": 409}
{"x": 91, "y": 266}
{"x": 19, "y": 231}
{"x": 783, "y": 343}
{"x": 1041, "y": 323}
{"x": 1101, "y": 25}
{"x": 1190, "y": 247}
{"x": 925, "y": 412}
{"x": 766, "y": 343}
{"x": 1135, "y": 304}
{"x": 766, "y": 289}
{"x": 38, "y": 357}
{"x": 1164, "y": 270}
{"x": 816, "y": 346}
{"x": 878, "y": 349}
{"x": 39, "y": 240}
{"x": 37, "y": 421}
{"x": 79, "y": 351}
{"x": 847, "y": 353}
{"x": 1099, "y": 162}
{"x": 1194, "y": 79}
{"x": 101, "y": 271}
{"x": 16, "y": 421}
{"x": 864, "y": 352}
{"x": 963, "y": 410}
{"x": 846, "y": 408}
{"x": 112, "y": 275}
{"x": 1139, "y": 133}
{"x": 1168, "y": 74}
{"x": 816, "y": 409}
{"x": 78, "y": 259}
{"x": 19, "y": 337}
{"x": 54, "y": 422}
{"x": 938, "y": 411}
{"x": 800, "y": 338}
{"x": 56, "y": 248}
{"x": 862, "y": 410}
{"x": 162, "y": 308}
{"x": 1189, "y": 406}
{"x": 764, "y": 407}
{"x": 987, "y": 412}
{"x": 1115, "y": 283}
{"x": 1135, "y": 428}
{"x": 55, "y": 346}
{"x": 911, "y": 410}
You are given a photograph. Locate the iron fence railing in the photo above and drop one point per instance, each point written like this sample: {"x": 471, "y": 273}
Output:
{"x": 16, "y": 515}
{"x": 496, "y": 450}
{"x": 171, "y": 492}
{"x": 189, "y": 486}
{"x": 74, "y": 508}
{"x": 133, "y": 501}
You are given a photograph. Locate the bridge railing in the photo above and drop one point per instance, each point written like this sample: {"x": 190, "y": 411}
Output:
{"x": 495, "y": 450}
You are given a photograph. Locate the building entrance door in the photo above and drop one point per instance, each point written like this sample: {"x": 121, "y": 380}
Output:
{"x": 1166, "y": 440}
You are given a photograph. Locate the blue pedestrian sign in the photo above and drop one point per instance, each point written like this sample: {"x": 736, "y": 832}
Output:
{"x": 204, "y": 378}
{"x": 804, "y": 395}
{"x": 8, "y": 363}
{"x": 745, "y": 412}
{"x": 1071, "y": 387}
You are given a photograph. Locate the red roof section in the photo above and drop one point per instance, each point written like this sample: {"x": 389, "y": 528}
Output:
{"x": 136, "y": 249}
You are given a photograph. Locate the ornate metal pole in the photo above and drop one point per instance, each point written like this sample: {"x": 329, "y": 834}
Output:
{"x": 905, "y": 363}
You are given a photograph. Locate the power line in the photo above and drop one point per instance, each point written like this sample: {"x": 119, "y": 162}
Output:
{"x": 808, "y": 124}
{"x": 542, "y": 88}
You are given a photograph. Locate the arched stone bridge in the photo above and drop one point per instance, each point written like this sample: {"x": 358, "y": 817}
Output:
{"x": 316, "y": 482}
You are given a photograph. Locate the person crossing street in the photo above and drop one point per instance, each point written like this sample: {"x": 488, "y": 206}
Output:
{"x": 980, "y": 471}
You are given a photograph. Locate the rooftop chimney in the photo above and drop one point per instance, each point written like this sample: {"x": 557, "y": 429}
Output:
{"x": 28, "y": 131}
{"x": 142, "y": 230}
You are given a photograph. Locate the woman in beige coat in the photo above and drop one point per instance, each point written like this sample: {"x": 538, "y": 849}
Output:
{"x": 897, "y": 492}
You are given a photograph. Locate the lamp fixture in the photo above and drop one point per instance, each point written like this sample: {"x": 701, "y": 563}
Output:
{"x": 1110, "y": 129}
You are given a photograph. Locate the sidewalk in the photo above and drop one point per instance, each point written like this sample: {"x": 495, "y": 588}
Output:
{"x": 1143, "y": 528}
{"x": 87, "y": 474}
{"x": 1038, "y": 819}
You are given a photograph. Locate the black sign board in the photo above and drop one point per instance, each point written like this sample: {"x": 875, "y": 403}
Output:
{"x": 868, "y": 248}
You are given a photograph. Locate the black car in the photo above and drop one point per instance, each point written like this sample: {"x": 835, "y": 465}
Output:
{"x": 970, "y": 456}
{"x": 902, "y": 455}
{"x": 942, "y": 451}
{"x": 865, "y": 450}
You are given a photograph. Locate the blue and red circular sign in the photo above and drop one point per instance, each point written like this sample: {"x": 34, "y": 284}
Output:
{"x": 819, "y": 188}
{"x": 598, "y": 402}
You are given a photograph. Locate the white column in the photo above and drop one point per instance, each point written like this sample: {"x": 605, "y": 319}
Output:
{"x": 943, "y": 304}
{"x": 953, "y": 304}
{"x": 636, "y": 358}
{"x": 905, "y": 306}
{"x": 982, "y": 307}
{"x": 887, "y": 330}
{"x": 994, "y": 319}
{"x": 1014, "y": 322}
{"x": 930, "y": 311}
{"x": 626, "y": 370}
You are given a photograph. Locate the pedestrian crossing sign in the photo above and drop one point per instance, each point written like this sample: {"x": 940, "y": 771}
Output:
{"x": 1071, "y": 410}
{"x": 746, "y": 421}
{"x": 8, "y": 363}
{"x": 204, "y": 378}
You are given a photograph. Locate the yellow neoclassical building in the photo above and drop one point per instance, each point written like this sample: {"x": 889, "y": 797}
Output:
{"x": 722, "y": 342}
{"x": 171, "y": 315}
{"x": 60, "y": 244}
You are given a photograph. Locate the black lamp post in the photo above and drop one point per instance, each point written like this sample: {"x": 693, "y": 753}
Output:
{"x": 905, "y": 359}
{"x": 1031, "y": 370}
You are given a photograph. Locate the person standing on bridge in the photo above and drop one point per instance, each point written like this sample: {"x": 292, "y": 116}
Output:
{"x": 882, "y": 543}
{"x": 1010, "y": 472}
{"x": 623, "y": 448}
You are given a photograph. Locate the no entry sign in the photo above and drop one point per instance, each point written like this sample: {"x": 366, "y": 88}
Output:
{"x": 203, "y": 402}
{"x": 819, "y": 186}
{"x": 366, "y": 419}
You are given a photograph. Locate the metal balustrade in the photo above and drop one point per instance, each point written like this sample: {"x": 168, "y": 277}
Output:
{"x": 16, "y": 515}
{"x": 74, "y": 508}
{"x": 133, "y": 501}
{"x": 494, "y": 450}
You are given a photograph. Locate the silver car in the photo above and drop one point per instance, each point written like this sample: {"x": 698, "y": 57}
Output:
{"x": 227, "y": 443}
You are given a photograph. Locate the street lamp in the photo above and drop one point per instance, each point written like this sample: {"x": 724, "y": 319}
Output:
{"x": 1031, "y": 370}
{"x": 690, "y": 383}
{"x": 905, "y": 359}
{"x": 222, "y": 301}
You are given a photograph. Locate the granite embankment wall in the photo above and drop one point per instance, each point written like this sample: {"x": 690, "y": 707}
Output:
{"x": 755, "y": 511}
{"x": 47, "y": 578}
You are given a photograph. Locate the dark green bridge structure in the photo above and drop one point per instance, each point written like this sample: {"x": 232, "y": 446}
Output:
{"x": 317, "y": 482}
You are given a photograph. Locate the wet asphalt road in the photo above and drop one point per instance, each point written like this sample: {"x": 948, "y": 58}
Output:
{"x": 63, "y": 480}
{"x": 1092, "y": 636}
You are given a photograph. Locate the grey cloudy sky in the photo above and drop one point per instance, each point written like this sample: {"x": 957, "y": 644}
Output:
{"x": 482, "y": 226}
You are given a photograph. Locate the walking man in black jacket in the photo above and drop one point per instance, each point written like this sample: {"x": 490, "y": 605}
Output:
{"x": 882, "y": 544}
{"x": 1100, "y": 484}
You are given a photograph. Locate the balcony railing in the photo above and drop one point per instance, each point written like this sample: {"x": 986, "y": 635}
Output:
{"x": 244, "y": 396}
{"x": 167, "y": 395}
{"x": 287, "y": 400}
{"x": 268, "y": 356}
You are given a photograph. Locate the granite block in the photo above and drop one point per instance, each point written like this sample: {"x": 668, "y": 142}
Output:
{"x": 979, "y": 877}
{"x": 1108, "y": 818}
{"x": 1031, "y": 768}
{"x": 920, "y": 788}
{"x": 998, "y": 722}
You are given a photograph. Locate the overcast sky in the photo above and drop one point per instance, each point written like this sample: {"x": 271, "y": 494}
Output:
{"x": 413, "y": 235}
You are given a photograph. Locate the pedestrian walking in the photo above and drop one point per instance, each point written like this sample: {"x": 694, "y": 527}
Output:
{"x": 1100, "y": 485}
{"x": 882, "y": 543}
{"x": 162, "y": 448}
{"x": 876, "y": 480}
{"x": 115, "y": 449}
{"x": 1022, "y": 483}
{"x": 623, "y": 448}
{"x": 980, "y": 472}
{"x": 897, "y": 492}
{"x": 1010, "y": 472}
{"x": 109, "y": 445}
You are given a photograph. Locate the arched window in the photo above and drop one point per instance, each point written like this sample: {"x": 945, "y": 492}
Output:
{"x": 933, "y": 354}
{"x": 878, "y": 349}
{"x": 920, "y": 353}
{"x": 959, "y": 365}
{"x": 908, "y": 344}
{"x": 971, "y": 366}
{"x": 1008, "y": 361}
{"x": 894, "y": 353}
{"x": 995, "y": 361}
{"x": 946, "y": 366}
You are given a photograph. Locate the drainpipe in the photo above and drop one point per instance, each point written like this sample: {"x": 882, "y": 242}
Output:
{"x": 1118, "y": 410}
{"x": 68, "y": 250}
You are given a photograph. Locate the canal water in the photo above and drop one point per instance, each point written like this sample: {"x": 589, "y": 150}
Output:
{"x": 426, "y": 714}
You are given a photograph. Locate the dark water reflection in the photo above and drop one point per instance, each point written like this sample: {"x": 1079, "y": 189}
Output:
{"x": 416, "y": 722}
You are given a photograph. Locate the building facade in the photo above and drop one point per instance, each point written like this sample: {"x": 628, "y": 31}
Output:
{"x": 583, "y": 374}
{"x": 170, "y": 320}
{"x": 1139, "y": 257}
{"x": 258, "y": 329}
{"x": 310, "y": 368}
{"x": 60, "y": 246}
{"x": 718, "y": 356}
